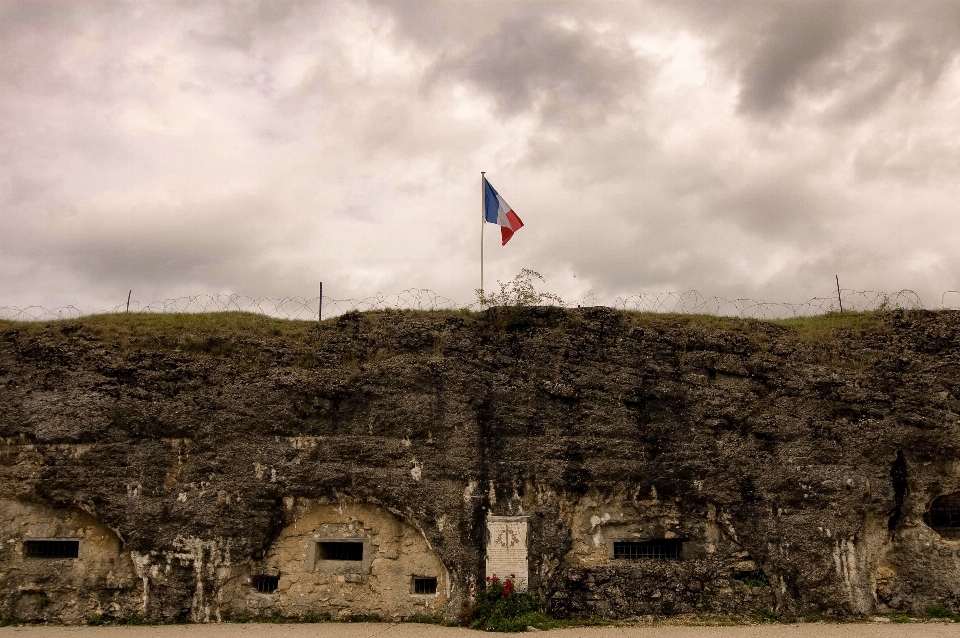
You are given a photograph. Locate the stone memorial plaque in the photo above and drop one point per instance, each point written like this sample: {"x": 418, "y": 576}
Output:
{"x": 507, "y": 549}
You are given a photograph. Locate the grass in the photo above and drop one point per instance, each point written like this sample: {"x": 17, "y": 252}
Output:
{"x": 823, "y": 327}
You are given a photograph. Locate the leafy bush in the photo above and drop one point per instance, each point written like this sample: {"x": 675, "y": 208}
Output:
{"x": 498, "y": 607}
{"x": 519, "y": 292}
{"x": 939, "y": 611}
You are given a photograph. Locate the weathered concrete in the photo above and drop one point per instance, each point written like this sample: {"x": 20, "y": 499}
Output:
{"x": 795, "y": 467}
{"x": 413, "y": 630}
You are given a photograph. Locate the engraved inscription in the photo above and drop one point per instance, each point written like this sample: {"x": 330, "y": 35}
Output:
{"x": 507, "y": 549}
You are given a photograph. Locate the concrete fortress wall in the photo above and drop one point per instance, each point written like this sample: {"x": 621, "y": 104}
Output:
{"x": 219, "y": 468}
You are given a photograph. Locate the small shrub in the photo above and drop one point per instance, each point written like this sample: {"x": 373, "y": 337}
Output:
{"x": 900, "y": 618}
{"x": 498, "y": 607}
{"x": 939, "y": 611}
{"x": 6, "y": 619}
{"x": 519, "y": 292}
{"x": 766, "y": 615}
{"x": 42, "y": 601}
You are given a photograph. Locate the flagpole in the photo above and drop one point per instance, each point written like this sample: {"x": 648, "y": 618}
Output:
{"x": 483, "y": 215}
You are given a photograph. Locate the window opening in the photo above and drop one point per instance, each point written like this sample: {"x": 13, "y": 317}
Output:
{"x": 341, "y": 550}
{"x": 52, "y": 548}
{"x": 266, "y": 584}
{"x": 944, "y": 516}
{"x": 424, "y": 585}
{"x": 656, "y": 548}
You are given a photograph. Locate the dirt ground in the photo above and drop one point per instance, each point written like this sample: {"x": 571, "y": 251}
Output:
{"x": 409, "y": 630}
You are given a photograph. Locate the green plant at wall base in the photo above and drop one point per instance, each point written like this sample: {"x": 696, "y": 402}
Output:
{"x": 766, "y": 615}
{"x": 519, "y": 292}
{"x": 497, "y": 607}
{"x": 42, "y": 600}
{"x": 900, "y": 618}
{"x": 939, "y": 611}
{"x": 425, "y": 619}
{"x": 98, "y": 620}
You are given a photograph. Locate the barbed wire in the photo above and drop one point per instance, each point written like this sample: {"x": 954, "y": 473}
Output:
{"x": 689, "y": 302}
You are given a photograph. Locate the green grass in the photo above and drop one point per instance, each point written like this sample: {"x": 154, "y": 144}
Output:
{"x": 821, "y": 327}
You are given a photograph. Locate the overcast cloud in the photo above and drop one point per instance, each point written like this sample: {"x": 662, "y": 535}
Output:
{"x": 741, "y": 149}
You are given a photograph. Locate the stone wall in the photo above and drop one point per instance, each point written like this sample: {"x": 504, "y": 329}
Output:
{"x": 788, "y": 467}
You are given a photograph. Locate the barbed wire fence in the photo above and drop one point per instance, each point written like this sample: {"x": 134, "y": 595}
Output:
{"x": 690, "y": 302}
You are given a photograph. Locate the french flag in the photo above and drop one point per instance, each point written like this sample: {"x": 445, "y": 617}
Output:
{"x": 497, "y": 211}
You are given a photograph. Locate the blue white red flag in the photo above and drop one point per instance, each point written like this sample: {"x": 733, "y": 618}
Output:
{"x": 496, "y": 211}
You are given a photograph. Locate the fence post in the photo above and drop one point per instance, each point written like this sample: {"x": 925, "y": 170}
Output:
{"x": 838, "y": 293}
{"x": 320, "y": 305}
{"x": 128, "y": 300}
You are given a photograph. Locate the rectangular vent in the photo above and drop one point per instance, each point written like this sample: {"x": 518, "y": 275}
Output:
{"x": 424, "y": 585}
{"x": 341, "y": 550}
{"x": 266, "y": 584}
{"x": 656, "y": 548}
{"x": 52, "y": 548}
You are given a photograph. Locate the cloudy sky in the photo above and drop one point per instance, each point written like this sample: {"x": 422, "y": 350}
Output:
{"x": 741, "y": 149}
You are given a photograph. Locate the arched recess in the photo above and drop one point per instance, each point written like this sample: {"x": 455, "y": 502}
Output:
{"x": 62, "y": 565}
{"x": 343, "y": 560}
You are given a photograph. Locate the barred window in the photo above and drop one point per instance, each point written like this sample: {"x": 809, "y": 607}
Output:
{"x": 265, "y": 584}
{"x": 424, "y": 585}
{"x": 944, "y": 516}
{"x": 656, "y": 548}
{"x": 341, "y": 550}
{"x": 52, "y": 548}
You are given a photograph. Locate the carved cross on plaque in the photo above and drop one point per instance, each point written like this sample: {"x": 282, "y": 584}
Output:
{"x": 507, "y": 549}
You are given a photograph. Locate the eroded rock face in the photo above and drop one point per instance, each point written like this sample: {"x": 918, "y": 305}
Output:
{"x": 794, "y": 466}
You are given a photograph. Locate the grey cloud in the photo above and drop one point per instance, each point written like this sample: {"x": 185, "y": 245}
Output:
{"x": 800, "y": 37}
{"x": 858, "y": 52}
{"x": 534, "y": 64}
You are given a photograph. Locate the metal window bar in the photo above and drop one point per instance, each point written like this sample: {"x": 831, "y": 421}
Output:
{"x": 944, "y": 518}
{"x": 265, "y": 584}
{"x": 341, "y": 551}
{"x": 52, "y": 549}
{"x": 661, "y": 548}
{"x": 424, "y": 585}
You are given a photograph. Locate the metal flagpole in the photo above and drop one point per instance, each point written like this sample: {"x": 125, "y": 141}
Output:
{"x": 483, "y": 216}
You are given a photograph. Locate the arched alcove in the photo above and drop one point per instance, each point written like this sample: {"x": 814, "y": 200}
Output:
{"x": 345, "y": 560}
{"x": 63, "y": 565}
